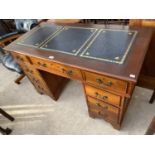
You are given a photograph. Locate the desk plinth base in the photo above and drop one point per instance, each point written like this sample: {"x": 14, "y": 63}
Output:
{"x": 114, "y": 124}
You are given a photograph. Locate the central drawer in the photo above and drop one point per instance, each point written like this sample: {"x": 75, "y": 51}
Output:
{"x": 103, "y": 95}
{"x": 57, "y": 68}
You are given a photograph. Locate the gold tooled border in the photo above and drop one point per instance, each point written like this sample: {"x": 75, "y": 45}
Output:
{"x": 21, "y": 39}
{"x": 125, "y": 54}
{"x": 64, "y": 28}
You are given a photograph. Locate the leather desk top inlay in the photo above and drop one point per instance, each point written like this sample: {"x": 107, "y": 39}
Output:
{"x": 69, "y": 40}
{"x": 99, "y": 44}
{"x": 39, "y": 35}
{"x": 110, "y": 45}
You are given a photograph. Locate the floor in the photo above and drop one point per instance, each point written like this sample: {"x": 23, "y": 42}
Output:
{"x": 39, "y": 114}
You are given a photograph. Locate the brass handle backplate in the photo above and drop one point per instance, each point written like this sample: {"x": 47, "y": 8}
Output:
{"x": 104, "y": 107}
{"x": 68, "y": 72}
{"x": 43, "y": 65}
{"x": 109, "y": 83}
{"x": 100, "y": 81}
{"x": 103, "y": 97}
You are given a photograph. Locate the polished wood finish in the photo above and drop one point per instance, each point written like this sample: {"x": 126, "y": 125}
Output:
{"x": 97, "y": 104}
{"x": 57, "y": 68}
{"x": 106, "y": 82}
{"x": 103, "y": 95}
{"x": 108, "y": 87}
{"x": 147, "y": 75}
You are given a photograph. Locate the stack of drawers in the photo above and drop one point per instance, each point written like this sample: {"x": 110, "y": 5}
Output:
{"x": 32, "y": 73}
{"x": 105, "y": 97}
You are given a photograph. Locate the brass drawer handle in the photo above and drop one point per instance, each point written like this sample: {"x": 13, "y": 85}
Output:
{"x": 97, "y": 94}
{"x": 100, "y": 81}
{"x": 68, "y": 72}
{"x": 44, "y": 65}
{"x": 104, "y": 107}
{"x": 105, "y": 97}
{"x": 109, "y": 83}
{"x": 40, "y": 64}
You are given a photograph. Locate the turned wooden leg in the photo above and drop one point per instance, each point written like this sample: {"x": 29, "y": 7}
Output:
{"x": 17, "y": 81}
{"x": 6, "y": 131}
{"x": 6, "y": 115}
{"x": 152, "y": 97}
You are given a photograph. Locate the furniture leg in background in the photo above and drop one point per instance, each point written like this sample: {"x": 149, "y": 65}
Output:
{"x": 6, "y": 131}
{"x": 17, "y": 81}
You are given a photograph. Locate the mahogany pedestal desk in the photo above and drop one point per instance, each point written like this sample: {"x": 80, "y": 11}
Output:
{"x": 106, "y": 59}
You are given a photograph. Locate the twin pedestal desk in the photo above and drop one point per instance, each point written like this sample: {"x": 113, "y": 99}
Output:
{"x": 106, "y": 59}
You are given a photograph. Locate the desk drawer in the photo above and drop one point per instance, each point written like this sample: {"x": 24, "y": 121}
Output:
{"x": 35, "y": 78}
{"x": 59, "y": 69}
{"x": 20, "y": 58}
{"x": 38, "y": 84}
{"x": 103, "y": 95}
{"x": 30, "y": 71}
{"x": 107, "y": 82}
{"x": 99, "y": 105}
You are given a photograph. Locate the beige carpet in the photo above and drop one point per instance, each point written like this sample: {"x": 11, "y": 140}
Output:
{"x": 39, "y": 114}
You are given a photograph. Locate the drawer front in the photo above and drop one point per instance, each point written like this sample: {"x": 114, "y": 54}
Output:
{"x": 35, "y": 78}
{"x": 20, "y": 58}
{"x": 38, "y": 84}
{"x": 99, "y": 105}
{"x": 59, "y": 69}
{"x": 105, "y": 115}
{"x": 30, "y": 71}
{"x": 107, "y": 82}
{"x": 103, "y": 95}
